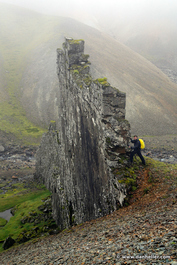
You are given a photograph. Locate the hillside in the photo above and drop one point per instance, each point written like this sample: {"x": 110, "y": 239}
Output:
{"x": 144, "y": 229}
{"x": 14, "y": 39}
{"x": 154, "y": 38}
{"x": 29, "y": 82}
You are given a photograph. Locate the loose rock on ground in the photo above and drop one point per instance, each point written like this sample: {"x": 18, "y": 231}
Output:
{"x": 145, "y": 232}
{"x": 136, "y": 238}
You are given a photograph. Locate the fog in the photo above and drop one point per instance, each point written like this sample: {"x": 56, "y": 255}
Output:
{"x": 147, "y": 26}
{"x": 102, "y": 9}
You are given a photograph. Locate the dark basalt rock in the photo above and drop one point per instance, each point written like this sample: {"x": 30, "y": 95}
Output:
{"x": 9, "y": 242}
{"x": 78, "y": 154}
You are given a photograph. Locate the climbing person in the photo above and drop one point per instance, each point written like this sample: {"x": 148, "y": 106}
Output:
{"x": 136, "y": 149}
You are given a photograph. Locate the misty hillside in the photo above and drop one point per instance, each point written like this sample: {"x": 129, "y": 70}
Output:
{"x": 154, "y": 38}
{"x": 28, "y": 43}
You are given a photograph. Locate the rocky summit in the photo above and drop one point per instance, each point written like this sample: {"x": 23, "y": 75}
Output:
{"x": 77, "y": 155}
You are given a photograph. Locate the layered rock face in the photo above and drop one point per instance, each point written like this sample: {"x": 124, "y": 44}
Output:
{"x": 82, "y": 147}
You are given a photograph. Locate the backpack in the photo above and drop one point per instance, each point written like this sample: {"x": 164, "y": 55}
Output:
{"x": 142, "y": 144}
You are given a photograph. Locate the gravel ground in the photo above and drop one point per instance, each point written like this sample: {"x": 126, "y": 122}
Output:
{"x": 145, "y": 232}
{"x": 161, "y": 143}
{"x": 132, "y": 239}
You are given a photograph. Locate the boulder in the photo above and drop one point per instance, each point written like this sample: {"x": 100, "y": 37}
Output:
{"x": 9, "y": 242}
{"x": 2, "y": 149}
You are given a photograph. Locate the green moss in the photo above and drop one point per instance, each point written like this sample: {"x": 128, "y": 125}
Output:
{"x": 85, "y": 57}
{"x": 15, "y": 51}
{"x": 126, "y": 175}
{"x": 146, "y": 190}
{"x": 128, "y": 181}
{"x": 18, "y": 185}
{"x": 72, "y": 41}
{"x": 27, "y": 208}
{"x": 79, "y": 76}
{"x": 3, "y": 222}
{"x": 103, "y": 81}
{"x": 122, "y": 120}
{"x": 17, "y": 123}
{"x": 86, "y": 66}
{"x": 134, "y": 188}
{"x": 13, "y": 197}
{"x": 32, "y": 130}
{"x": 87, "y": 80}
{"x": 75, "y": 67}
{"x": 108, "y": 140}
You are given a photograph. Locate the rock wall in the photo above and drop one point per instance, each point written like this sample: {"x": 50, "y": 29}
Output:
{"x": 82, "y": 147}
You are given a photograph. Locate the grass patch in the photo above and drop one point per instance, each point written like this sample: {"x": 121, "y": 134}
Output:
{"x": 2, "y": 222}
{"x": 17, "y": 40}
{"x": 17, "y": 123}
{"x": 14, "y": 227}
{"x": 160, "y": 167}
{"x": 16, "y": 196}
{"x": 103, "y": 81}
{"x": 26, "y": 202}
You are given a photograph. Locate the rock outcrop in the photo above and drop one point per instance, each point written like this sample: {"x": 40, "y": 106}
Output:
{"x": 9, "y": 242}
{"x": 82, "y": 147}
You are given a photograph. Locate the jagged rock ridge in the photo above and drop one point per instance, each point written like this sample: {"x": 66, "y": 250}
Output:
{"x": 81, "y": 148}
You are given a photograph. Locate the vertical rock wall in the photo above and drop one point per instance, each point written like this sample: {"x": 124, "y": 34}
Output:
{"x": 79, "y": 152}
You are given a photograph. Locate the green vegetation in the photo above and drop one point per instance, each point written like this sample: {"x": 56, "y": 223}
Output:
{"x": 16, "y": 196}
{"x": 87, "y": 80}
{"x": 127, "y": 175}
{"x": 26, "y": 203}
{"x": 146, "y": 182}
{"x": 80, "y": 75}
{"x": 17, "y": 40}
{"x": 161, "y": 168}
{"x": 103, "y": 81}
{"x": 128, "y": 181}
{"x": 108, "y": 140}
{"x": 146, "y": 190}
{"x": 13, "y": 120}
{"x": 2, "y": 222}
{"x": 72, "y": 41}
{"x": 34, "y": 33}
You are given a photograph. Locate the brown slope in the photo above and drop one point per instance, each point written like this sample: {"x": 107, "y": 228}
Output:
{"x": 154, "y": 38}
{"x": 3, "y": 84}
{"x": 151, "y": 96}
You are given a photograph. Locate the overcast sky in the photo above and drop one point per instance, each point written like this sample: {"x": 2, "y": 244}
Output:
{"x": 135, "y": 6}
{"x": 101, "y": 7}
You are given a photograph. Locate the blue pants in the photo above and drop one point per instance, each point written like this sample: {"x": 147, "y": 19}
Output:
{"x": 138, "y": 152}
